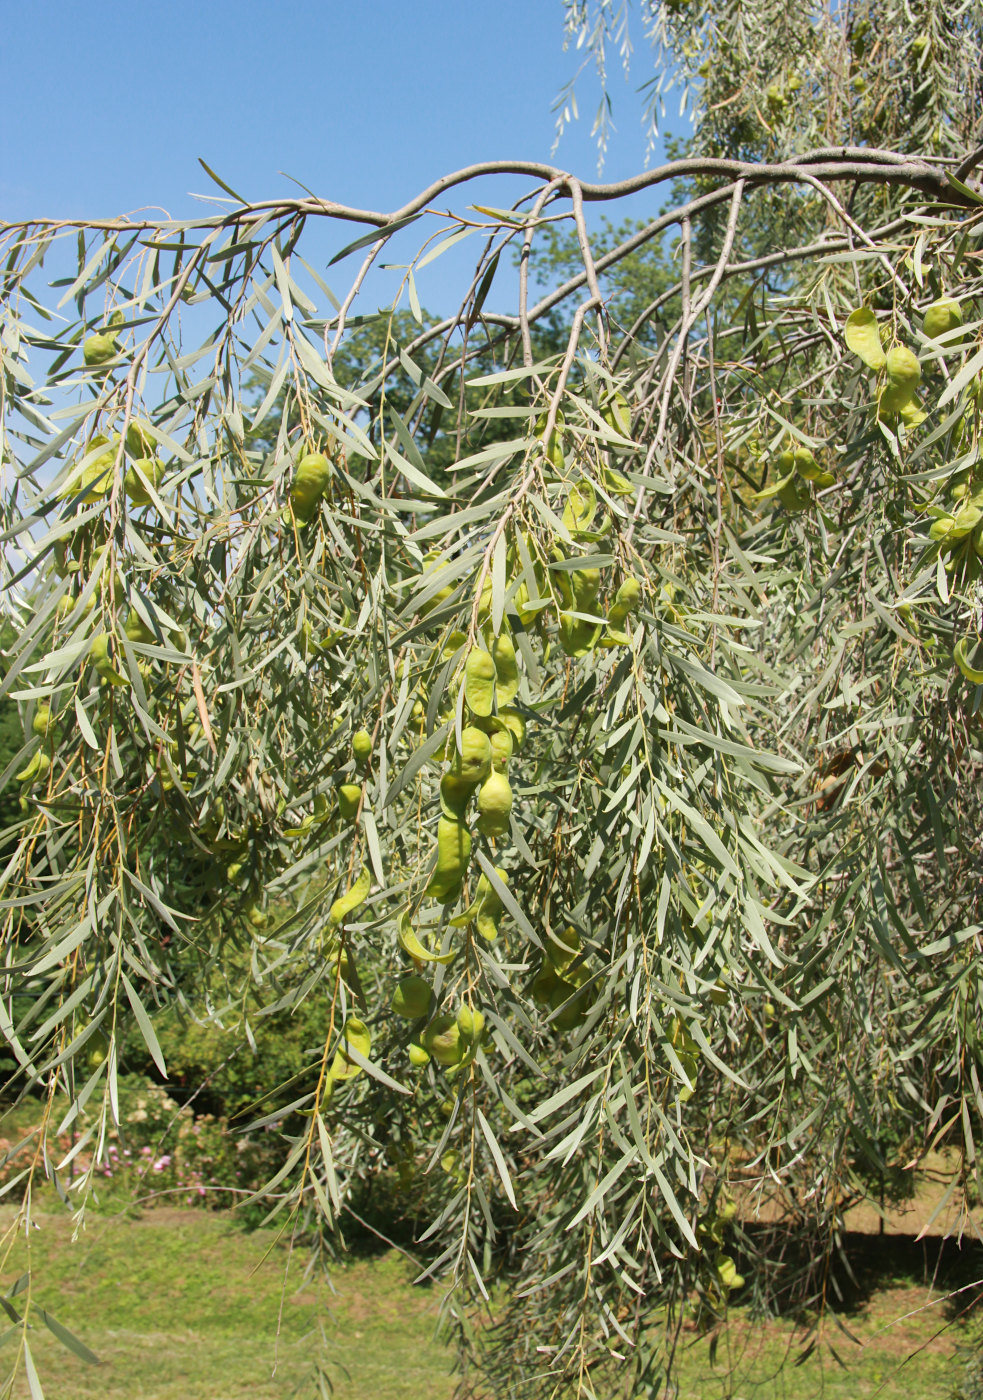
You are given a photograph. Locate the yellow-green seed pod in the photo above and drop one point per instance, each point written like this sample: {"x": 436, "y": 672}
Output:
{"x": 515, "y": 724}
{"x": 727, "y": 1273}
{"x": 101, "y": 659}
{"x": 944, "y": 315}
{"x": 354, "y": 1036}
{"x": 43, "y": 723}
{"x": 96, "y": 477}
{"x": 137, "y": 630}
{"x": 544, "y": 984}
{"x": 586, "y": 584}
{"x": 479, "y": 681}
{"x": 501, "y": 748}
{"x": 36, "y": 769}
{"x": 455, "y": 794}
{"x": 626, "y": 600}
{"x": 863, "y": 337}
{"x": 489, "y": 907}
{"x": 563, "y": 947}
{"x": 506, "y": 669}
{"x": 581, "y": 506}
{"x": 362, "y": 746}
{"x": 617, "y": 414}
{"x": 412, "y": 998}
{"x": 349, "y": 796}
{"x": 795, "y": 496}
{"x": 805, "y": 464}
{"x": 442, "y": 1039}
{"x": 350, "y": 901}
{"x": 554, "y": 448}
{"x": 577, "y": 638}
{"x": 903, "y": 369}
{"x": 99, "y": 349}
{"x": 409, "y": 943}
{"x": 470, "y": 1023}
{"x": 419, "y": 1058}
{"x": 494, "y": 805}
{"x": 453, "y": 848}
{"x": 473, "y": 762}
{"x": 310, "y": 482}
{"x": 140, "y": 441}
{"x": 145, "y": 474}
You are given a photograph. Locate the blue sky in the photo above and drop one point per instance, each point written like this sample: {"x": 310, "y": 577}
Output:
{"x": 109, "y": 104}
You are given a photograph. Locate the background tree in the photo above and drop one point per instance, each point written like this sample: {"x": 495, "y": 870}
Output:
{"x": 610, "y": 781}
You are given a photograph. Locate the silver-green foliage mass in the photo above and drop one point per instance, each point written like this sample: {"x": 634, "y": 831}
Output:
{"x": 663, "y": 682}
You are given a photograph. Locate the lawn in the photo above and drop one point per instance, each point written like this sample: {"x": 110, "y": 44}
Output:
{"x": 183, "y": 1305}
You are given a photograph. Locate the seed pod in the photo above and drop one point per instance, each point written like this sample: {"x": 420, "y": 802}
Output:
{"x": 470, "y": 1023}
{"x": 473, "y": 762}
{"x": 354, "y": 1036}
{"x": 727, "y": 1273}
{"x": 362, "y": 746}
{"x": 554, "y": 448}
{"x": 506, "y": 669}
{"x": 965, "y": 521}
{"x": 137, "y": 630}
{"x": 256, "y": 915}
{"x": 626, "y": 600}
{"x": 580, "y": 509}
{"x": 515, "y": 724}
{"x": 453, "y": 853}
{"x": 617, "y": 414}
{"x": 349, "y": 796}
{"x": 795, "y": 496}
{"x": 310, "y": 482}
{"x": 963, "y": 659}
{"x": 479, "y": 681}
{"x": 489, "y": 906}
{"x": 96, "y": 478}
{"x": 350, "y": 901}
{"x": 577, "y": 637}
{"x": 140, "y": 441}
{"x": 42, "y": 723}
{"x": 563, "y": 947}
{"x": 616, "y": 483}
{"x": 805, "y": 464}
{"x": 442, "y": 1039}
{"x": 494, "y": 805}
{"x": 501, "y": 748}
{"x": 409, "y": 942}
{"x": 586, "y": 584}
{"x": 36, "y": 770}
{"x": 100, "y": 656}
{"x": 941, "y": 528}
{"x": 412, "y": 998}
{"x": 455, "y": 794}
{"x": 863, "y": 338}
{"x": 903, "y": 369}
{"x": 146, "y": 472}
{"x": 569, "y": 1003}
{"x": 944, "y": 315}
{"x": 544, "y": 983}
{"x": 99, "y": 349}
{"x": 418, "y": 1056}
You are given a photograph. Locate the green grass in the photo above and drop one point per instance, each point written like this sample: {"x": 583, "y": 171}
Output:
{"x": 181, "y": 1305}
